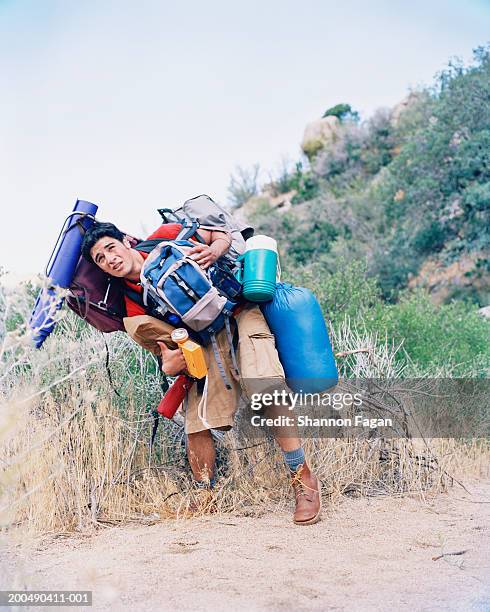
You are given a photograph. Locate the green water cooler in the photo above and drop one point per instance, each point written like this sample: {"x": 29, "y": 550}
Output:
{"x": 261, "y": 270}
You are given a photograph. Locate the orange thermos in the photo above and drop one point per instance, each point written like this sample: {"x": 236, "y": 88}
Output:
{"x": 193, "y": 353}
{"x": 196, "y": 366}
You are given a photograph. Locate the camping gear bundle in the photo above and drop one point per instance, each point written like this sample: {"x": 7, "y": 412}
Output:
{"x": 178, "y": 290}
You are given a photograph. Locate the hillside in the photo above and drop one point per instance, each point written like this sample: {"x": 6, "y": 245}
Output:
{"x": 407, "y": 191}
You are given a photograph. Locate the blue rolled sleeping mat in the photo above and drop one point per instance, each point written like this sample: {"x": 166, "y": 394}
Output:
{"x": 61, "y": 269}
{"x": 296, "y": 320}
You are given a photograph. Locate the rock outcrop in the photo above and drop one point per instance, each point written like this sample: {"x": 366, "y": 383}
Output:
{"x": 446, "y": 282}
{"x": 318, "y": 134}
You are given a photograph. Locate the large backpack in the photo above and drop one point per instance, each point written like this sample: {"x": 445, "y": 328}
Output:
{"x": 210, "y": 215}
{"x": 97, "y": 298}
{"x": 178, "y": 284}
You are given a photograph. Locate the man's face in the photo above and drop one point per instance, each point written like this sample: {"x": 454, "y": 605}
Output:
{"x": 113, "y": 256}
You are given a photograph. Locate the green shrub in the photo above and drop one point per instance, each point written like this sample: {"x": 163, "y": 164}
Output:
{"x": 349, "y": 292}
{"x": 430, "y": 238}
{"x": 342, "y": 112}
{"x": 309, "y": 243}
{"x": 308, "y": 188}
{"x": 452, "y": 336}
{"x": 304, "y": 182}
{"x": 378, "y": 147}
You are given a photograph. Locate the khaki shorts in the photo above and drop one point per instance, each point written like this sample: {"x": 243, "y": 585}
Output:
{"x": 257, "y": 360}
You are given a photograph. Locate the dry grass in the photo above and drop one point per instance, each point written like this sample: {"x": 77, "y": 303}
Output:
{"x": 75, "y": 455}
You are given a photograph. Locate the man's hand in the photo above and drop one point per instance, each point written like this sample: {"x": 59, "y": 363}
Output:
{"x": 207, "y": 254}
{"x": 173, "y": 361}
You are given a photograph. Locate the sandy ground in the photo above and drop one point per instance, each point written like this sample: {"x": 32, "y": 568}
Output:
{"x": 366, "y": 554}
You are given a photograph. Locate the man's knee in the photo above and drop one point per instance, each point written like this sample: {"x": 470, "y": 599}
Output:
{"x": 147, "y": 331}
{"x": 199, "y": 435}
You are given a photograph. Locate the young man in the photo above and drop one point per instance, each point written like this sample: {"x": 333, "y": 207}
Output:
{"x": 110, "y": 249}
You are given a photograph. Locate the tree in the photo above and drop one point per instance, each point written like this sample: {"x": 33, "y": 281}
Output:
{"x": 243, "y": 185}
{"x": 342, "y": 112}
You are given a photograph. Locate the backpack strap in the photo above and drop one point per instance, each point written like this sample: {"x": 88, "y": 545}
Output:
{"x": 219, "y": 363}
{"x": 147, "y": 246}
{"x": 167, "y": 213}
{"x": 134, "y": 296}
{"x": 84, "y": 302}
{"x": 230, "y": 342}
{"x": 154, "y": 414}
{"x": 155, "y": 310}
{"x": 108, "y": 369}
{"x": 147, "y": 303}
{"x": 191, "y": 226}
{"x": 189, "y": 230}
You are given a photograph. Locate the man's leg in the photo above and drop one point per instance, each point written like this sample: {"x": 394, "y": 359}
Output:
{"x": 202, "y": 456}
{"x": 307, "y": 487}
{"x": 259, "y": 361}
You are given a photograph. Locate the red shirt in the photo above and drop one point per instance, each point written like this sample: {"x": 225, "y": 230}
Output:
{"x": 166, "y": 231}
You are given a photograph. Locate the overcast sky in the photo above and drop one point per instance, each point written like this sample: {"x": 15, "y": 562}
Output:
{"x": 138, "y": 105}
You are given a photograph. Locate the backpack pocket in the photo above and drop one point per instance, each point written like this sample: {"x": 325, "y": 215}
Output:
{"x": 224, "y": 280}
{"x": 258, "y": 357}
{"x": 205, "y": 311}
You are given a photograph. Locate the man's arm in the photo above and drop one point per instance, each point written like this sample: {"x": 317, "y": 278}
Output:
{"x": 217, "y": 244}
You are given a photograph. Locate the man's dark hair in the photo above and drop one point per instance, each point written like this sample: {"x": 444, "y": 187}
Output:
{"x": 97, "y": 231}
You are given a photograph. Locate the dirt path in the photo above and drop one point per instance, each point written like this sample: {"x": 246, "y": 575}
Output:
{"x": 368, "y": 554}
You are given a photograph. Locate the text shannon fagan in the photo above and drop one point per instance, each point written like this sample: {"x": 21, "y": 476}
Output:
{"x": 337, "y": 401}
{"x": 304, "y": 420}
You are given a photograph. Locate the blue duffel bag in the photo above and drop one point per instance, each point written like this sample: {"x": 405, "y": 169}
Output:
{"x": 296, "y": 320}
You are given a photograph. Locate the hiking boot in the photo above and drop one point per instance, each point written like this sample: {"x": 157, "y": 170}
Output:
{"x": 307, "y": 491}
{"x": 201, "y": 501}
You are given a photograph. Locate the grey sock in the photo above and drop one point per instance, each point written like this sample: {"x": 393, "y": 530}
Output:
{"x": 204, "y": 484}
{"x": 294, "y": 458}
